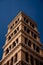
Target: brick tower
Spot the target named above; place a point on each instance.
(22, 46)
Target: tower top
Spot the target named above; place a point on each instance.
(21, 13)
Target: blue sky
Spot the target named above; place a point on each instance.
(10, 8)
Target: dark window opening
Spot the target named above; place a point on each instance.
(16, 22)
(28, 31)
(37, 62)
(35, 36)
(9, 37)
(7, 51)
(25, 28)
(12, 34)
(41, 63)
(34, 46)
(26, 21)
(15, 32)
(11, 27)
(10, 47)
(14, 44)
(32, 26)
(18, 19)
(7, 62)
(24, 18)
(29, 43)
(37, 48)
(17, 40)
(32, 33)
(26, 56)
(15, 57)
(32, 60)
(18, 28)
(13, 24)
(26, 40)
(11, 61)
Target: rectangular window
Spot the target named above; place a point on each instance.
(32, 34)
(13, 24)
(35, 36)
(26, 56)
(12, 34)
(25, 28)
(27, 21)
(10, 47)
(18, 28)
(16, 22)
(17, 40)
(15, 32)
(29, 43)
(7, 51)
(32, 60)
(34, 46)
(15, 58)
(37, 62)
(14, 44)
(11, 61)
(28, 31)
(41, 63)
(9, 38)
(24, 19)
(32, 25)
(7, 63)
(26, 40)
(37, 48)
(18, 19)
(11, 27)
